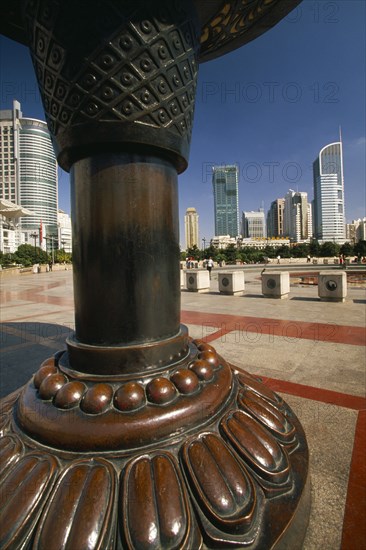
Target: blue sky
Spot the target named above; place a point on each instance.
(268, 107)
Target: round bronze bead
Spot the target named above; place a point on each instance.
(160, 391)
(185, 381)
(202, 369)
(97, 399)
(69, 395)
(202, 346)
(211, 357)
(51, 385)
(129, 397)
(42, 374)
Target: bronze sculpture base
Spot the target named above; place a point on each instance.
(138, 437)
(196, 454)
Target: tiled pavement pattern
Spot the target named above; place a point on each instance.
(311, 352)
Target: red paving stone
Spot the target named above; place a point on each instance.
(316, 394)
(354, 522)
(323, 332)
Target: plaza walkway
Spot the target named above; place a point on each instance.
(311, 352)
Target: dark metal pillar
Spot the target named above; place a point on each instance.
(126, 262)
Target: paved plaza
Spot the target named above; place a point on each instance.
(311, 352)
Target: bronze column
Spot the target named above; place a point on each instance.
(137, 436)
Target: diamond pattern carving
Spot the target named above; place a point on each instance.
(130, 65)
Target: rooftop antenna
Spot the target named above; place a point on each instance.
(340, 134)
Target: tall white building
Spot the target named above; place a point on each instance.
(191, 228)
(329, 211)
(356, 231)
(297, 216)
(64, 231)
(253, 224)
(28, 172)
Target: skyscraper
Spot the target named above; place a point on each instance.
(275, 218)
(225, 181)
(253, 224)
(329, 212)
(191, 228)
(297, 216)
(28, 170)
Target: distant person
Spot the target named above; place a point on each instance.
(278, 259)
(308, 260)
(210, 265)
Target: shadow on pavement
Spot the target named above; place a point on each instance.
(24, 346)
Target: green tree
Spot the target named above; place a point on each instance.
(283, 251)
(220, 257)
(194, 253)
(301, 250)
(314, 248)
(211, 252)
(61, 256)
(360, 248)
(232, 254)
(347, 249)
(6, 259)
(269, 251)
(329, 249)
(28, 255)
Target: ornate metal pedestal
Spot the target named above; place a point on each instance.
(137, 436)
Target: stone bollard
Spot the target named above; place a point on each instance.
(198, 281)
(182, 278)
(276, 284)
(231, 282)
(332, 286)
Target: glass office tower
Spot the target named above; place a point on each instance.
(225, 180)
(28, 169)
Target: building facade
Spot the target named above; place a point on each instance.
(275, 218)
(28, 172)
(254, 224)
(356, 230)
(225, 182)
(329, 208)
(297, 216)
(191, 228)
(64, 231)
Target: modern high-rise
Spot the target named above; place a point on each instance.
(297, 216)
(329, 211)
(254, 225)
(225, 181)
(28, 171)
(191, 228)
(275, 218)
(64, 231)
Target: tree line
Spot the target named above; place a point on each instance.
(27, 255)
(246, 254)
